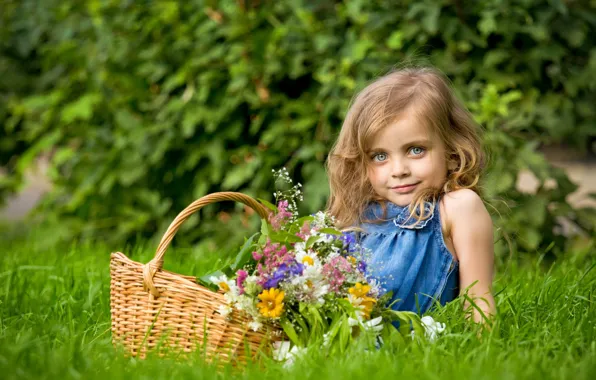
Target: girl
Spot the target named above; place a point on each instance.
(404, 173)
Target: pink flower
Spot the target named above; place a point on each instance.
(241, 276)
(335, 272)
(282, 216)
(304, 230)
(274, 255)
(257, 255)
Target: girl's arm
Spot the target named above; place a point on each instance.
(472, 237)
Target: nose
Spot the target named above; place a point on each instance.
(399, 168)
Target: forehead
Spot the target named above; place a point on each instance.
(401, 131)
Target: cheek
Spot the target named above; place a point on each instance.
(432, 166)
(374, 175)
(438, 168)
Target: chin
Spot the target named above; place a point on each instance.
(400, 201)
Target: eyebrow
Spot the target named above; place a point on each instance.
(423, 142)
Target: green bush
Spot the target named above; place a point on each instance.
(147, 106)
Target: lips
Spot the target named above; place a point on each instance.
(405, 188)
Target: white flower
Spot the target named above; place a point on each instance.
(431, 327)
(223, 282)
(333, 254)
(311, 286)
(326, 238)
(244, 303)
(307, 258)
(224, 310)
(281, 350)
(323, 220)
(300, 246)
(326, 341)
(374, 325)
(255, 325)
(319, 292)
(356, 301)
(375, 287)
(313, 272)
(283, 353)
(232, 294)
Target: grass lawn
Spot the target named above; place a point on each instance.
(55, 323)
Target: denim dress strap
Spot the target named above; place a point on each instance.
(409, 257)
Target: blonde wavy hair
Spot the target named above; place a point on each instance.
(429, 93)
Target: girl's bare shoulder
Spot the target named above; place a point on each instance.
(463, 200)
(463, 211)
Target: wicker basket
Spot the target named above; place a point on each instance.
(154, 308)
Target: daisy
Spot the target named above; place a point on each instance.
(224, 283)
(307, 258)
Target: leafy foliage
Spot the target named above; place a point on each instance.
(149, 106)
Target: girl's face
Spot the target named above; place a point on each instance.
(405, 157)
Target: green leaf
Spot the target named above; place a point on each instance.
(345, 334)
(285, 237)
(237, 176)
(80, 109)
(330, 231)
(245, 253)
(267, 204)
(206, 282)
(395, 40)
(487, 23)
(303, 219)
(265, 229)
(290, 331)
(127, 120)
(311, 240)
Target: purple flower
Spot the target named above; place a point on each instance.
(273, 281)
(283, 271)
(293, 268)
(348, 240)
(361, 266)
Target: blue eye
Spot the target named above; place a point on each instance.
(379, 157)
(416, 151)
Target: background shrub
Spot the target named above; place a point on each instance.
(147, 106)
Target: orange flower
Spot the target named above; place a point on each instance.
(367, 304)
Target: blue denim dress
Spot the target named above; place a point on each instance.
(410, 259)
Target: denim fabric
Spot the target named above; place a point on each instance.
(410, 259)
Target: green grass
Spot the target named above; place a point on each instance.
(55, 323)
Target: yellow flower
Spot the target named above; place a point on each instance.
(367, 304)
(359, 290)
(352, 260)
(271, 304)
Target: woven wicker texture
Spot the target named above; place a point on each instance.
(154, 308)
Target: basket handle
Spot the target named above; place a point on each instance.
(156, 263)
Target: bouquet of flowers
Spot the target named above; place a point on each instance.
(304, 275)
